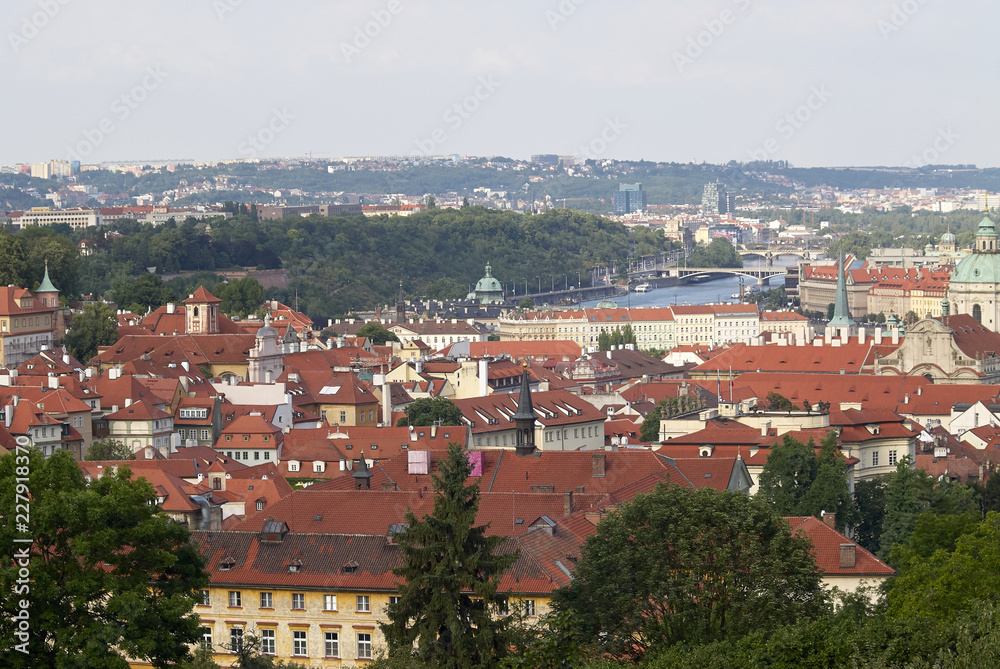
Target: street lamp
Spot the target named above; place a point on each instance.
(539, 284)
(525, 285)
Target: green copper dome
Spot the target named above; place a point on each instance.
(986, 227)
(46, 285)
(948, 238)
(977, 268)
(488, 284)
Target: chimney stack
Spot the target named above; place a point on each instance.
(567, 502)
(598, 465)
(848, 556)
(829, 519)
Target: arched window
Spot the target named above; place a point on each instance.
(196, 312)
(977, 313)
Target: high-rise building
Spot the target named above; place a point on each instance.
(714, 201)
(629, 199)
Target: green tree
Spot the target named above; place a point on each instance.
(111, 576)
(650, 430)
(907, 495)
(720, 252)
(13, 264)
(449, 598)
(96, 326)
(429, 410)
(377, 333)
(869, 497)
(446, 288)
(603, 341)
(829, 490)
(144, 293)
(526, 303)
(946, 583)
(678, 565)
(109, 449)
(241, 297)
(777, 402)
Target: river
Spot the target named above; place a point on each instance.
(709, 292)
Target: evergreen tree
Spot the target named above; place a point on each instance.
(906, 496)
(430, 410)
(377, 333)
(650, 430)
(869, 496)
(96, 326)
(449, 602)
(788, 474)
(604, 341)
(829, 490)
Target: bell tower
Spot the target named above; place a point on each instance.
(201, 313)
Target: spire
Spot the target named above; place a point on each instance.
(841, 314)
(363, 476)
(524, 419)
(46, 285)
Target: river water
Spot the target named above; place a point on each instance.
(710, 292)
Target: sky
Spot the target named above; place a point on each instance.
(818, 83)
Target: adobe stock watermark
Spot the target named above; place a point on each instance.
(371, 30)
(223, 7)
(790, 123)
(457, 114)
(899, 16)
(702, 41)
(562, 12)
(944, 140)
(598, 146)
(277, 124)
(121, 108)
(33, 24)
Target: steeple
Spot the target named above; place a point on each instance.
(841, 314)
(46, 292)
(400, 305)
(363, 476)
(986, 236)
(524, 419)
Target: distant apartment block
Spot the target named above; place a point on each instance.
(630, 199)
(44, 216)
(272, 212)
(545, 159)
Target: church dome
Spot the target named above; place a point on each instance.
(606, 304)
(488, 284)
(267, 331)
(948, 238)
(977, 268)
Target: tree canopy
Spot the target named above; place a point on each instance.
(109, 449)
(720, 252)
(110, 575)
(430, 410)
(677, 565)
(449, 606)
(377, 333)
(96, 326)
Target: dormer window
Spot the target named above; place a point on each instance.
(294, 567)
(226, 564)
(349, 568)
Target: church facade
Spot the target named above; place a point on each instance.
(974, 288)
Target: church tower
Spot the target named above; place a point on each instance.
(524, 419)
(841, 324)
(201, 313)
(267, 359)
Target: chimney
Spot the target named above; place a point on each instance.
(895, 336)
(171, 307)
(53, 382)
(765, 427)
(829, 519)
(861, 335)
(128, 401)
(65, 358)
(186, 365)
(484, 377)
(878, 336)
(567, 502)
(434, 431)
(598, 465)
(848, 556)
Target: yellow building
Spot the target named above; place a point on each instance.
(312, 598)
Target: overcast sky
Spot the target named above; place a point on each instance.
(825, 82)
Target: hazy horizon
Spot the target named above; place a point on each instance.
(849, 84)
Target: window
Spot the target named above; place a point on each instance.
(206, 598)
(892, 458)
(364, 646)
(503, 608)
(204, 434)
(329, 602)
(318, 467)
(298, 600)
(236, 639)
(332, 644)
(394, 600)
(206, 639)
(180, 433)
(246, 437)
(216, 483)
(266, 600)
(298, 642)
(256, 455)
(875, 459)
(364, 604)
(246, 455)
(267, 642)
(235, 598)
(260, 505)
(529, 607)
(293, 466)
(343, 416)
